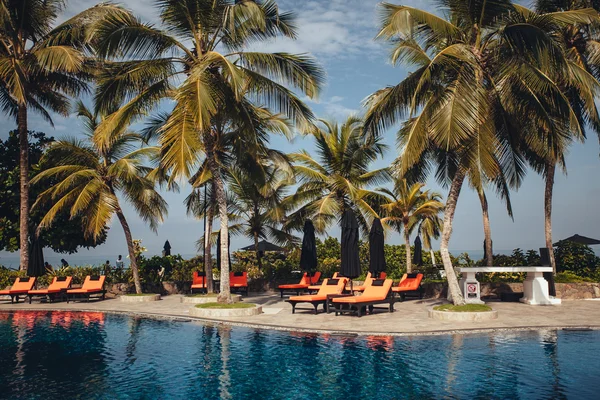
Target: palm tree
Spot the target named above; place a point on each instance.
(430, 228)
(338, 178)
(407, 206)
(39, 67)
(204, 48)
(580, 41)
(260, 205)
(481, 85)
(92, 180)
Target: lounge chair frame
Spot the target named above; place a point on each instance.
(356, 308)
(87, 296)
(51, 297)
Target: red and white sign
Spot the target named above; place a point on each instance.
(471, 288)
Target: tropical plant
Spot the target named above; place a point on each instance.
(205, 47)
(259, 206)
(39, 67)
(338, 177)
(483, 83)
(406, 207)
(579, 82)
(90, 177)
(430, 228)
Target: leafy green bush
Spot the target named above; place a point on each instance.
(576, 258)
(569, 277)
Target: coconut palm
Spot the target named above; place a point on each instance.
(204, 49)
(581, 42)
(259, 206)
(338, 177)
(482, 83)
(406, 207)
(39, 67)
(430, 228)
(93, 180)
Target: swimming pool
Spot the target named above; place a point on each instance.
(64, 355)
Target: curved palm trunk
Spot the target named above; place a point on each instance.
(24, 187)
(408, 255)
(487, 230)
(432, 254)
(258, 260)
(207, 249)
(132, 256)
(550, 170)
(454, 293)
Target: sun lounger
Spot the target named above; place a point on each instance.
(58, 288)
(318, 285)
(199, 282)
(410, 285)
(93, 285)
(20, 287)
(329, 286)
(305, 282)
(238, 282)
(368, 281)
(379, 292)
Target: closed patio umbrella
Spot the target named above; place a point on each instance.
(376, 249)
(350, 259)
(308, 253)
(418, 253)
(36, 259)
(263, 246)
(167, 249)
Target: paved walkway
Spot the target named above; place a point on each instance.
(410, 317)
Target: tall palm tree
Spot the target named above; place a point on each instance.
(92, 180)
(581, 42)
(481, 85)
(338, 177)
(406, 206)
(39, 67)
(430, 228)
(204, 49)
(259, 204)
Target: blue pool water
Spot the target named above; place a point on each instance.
(65, 355)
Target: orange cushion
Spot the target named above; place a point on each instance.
(20, 287)
(371, 293)
(238, 281)
(293, 286)
(199, 286)
(309, 298)
(75, 291)
(44, 291)
(357, 299)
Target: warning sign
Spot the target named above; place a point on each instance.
(471, 288)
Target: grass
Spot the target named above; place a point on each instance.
(141, 294)
(226, 305)
(465, 308)
(202, 295)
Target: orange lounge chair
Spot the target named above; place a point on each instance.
(318, 286)
(368, 280)
(91, 285)
(58, 287)
(20, 287)
(409, 284)
(305, 282)
(329, 286)
(199, 282)
(379, 292)
(238, 281)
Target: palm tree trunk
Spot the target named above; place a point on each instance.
(24, 186)
(408, 255)
(132, 256)
(258, 260)
(207, 249)
(550, 170)
(454, 293)
(432, 253)
(487, 230)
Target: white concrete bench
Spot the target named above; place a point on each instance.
(535, 287)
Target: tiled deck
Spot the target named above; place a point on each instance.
(410, 317)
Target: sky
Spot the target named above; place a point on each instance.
(340, 34)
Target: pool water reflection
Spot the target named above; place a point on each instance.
(54, 355)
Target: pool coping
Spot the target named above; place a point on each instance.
(339, 332)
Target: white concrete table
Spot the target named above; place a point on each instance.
(535, 287)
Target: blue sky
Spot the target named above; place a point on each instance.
(340, 34)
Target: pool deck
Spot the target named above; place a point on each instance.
(410, 317)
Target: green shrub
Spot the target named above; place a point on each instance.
(569, 277)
